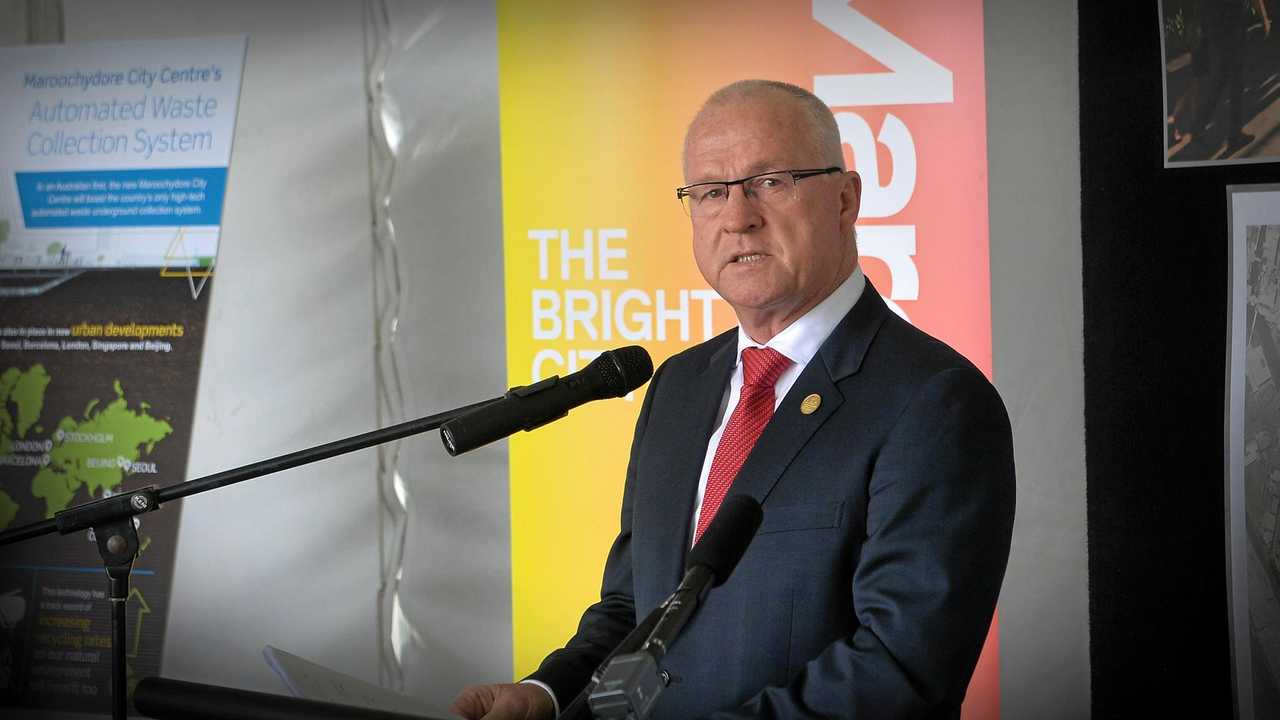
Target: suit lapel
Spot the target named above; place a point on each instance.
(669, 513)
(840, 356)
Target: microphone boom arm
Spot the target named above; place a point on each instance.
(150, 498)
(111, 519)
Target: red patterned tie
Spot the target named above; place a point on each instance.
(761, 368)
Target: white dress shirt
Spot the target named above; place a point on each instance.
(799, 342)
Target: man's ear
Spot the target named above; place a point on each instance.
(850, 197)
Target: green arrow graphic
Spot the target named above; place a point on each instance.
(143, 609)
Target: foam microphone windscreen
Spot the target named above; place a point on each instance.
(727, 537)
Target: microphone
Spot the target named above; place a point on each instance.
(632, 682)
(578, 708)
(614, 374)
(710, 563)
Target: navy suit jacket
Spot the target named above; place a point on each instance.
(870, 586)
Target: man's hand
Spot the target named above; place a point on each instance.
(507, 701)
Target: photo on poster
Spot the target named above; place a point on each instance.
(1221, 74)
(1253, 449)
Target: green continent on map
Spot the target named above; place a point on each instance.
(94, 452)
(25, 390)
(56, 489)
(8, 509)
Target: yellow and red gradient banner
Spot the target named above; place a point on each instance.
(594, 101)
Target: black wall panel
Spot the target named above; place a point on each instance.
(1155, 311)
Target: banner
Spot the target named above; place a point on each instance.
(113, 164)
(594, 104)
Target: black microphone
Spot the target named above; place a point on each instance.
(710, 563)
(578, 708)
(614, 374)
(632, 682)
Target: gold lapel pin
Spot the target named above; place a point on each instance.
(810, 404)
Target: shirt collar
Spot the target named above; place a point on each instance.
(800, 340)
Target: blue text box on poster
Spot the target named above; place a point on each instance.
(98, 198)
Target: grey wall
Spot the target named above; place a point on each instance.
(1034, 160)
(30, 22)
(290, 559)
(13, 22)
(447, 208)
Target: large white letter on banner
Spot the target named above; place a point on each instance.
(896, 246)
(881, 200)
(914, 78)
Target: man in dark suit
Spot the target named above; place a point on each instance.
(882, 459)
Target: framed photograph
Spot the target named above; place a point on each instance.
(1221, 72)
(1253, 449)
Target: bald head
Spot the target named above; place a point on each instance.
(807, 120)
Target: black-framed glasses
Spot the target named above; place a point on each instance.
(706, 199)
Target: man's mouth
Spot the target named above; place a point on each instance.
(748, 258)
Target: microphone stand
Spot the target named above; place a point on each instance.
(111, 520)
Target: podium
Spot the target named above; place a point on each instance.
(180, 700)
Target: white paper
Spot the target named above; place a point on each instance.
(310, 681)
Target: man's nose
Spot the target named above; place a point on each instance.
(740, 213)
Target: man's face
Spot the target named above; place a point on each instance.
(771, 262)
